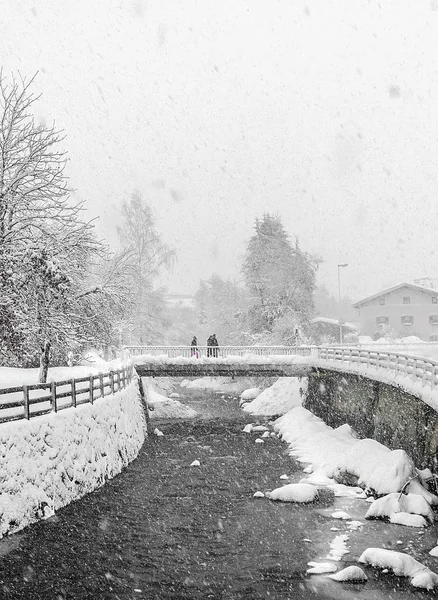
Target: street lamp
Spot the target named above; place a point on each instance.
(339, 295)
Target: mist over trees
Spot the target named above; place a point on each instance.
(61, 289)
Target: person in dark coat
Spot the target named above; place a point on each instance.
(194, 345)
(209, 346)
(215, 344)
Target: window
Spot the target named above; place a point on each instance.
(433, 338)
(406, 300)
(383, 320)
(408, 320)
(434, 299)
(433, 319)
(382, 301)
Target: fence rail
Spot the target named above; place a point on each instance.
(417, 368)
(216, 352)
(27, 401)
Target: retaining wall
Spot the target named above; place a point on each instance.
(49, 461)
(376, 410)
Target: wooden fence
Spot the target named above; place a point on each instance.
(27, 401)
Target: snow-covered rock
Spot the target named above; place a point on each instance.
(295, 492)
(318, 568)
(352, 573)
(250, 394)
(258, 495)
(384, 507)
(283, 395)
(401, 565)
(157, 432)
(341, 514)
(402, 518)
(166, 408)
(247, 428)
(195, 463)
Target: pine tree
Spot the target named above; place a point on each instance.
(279, 277)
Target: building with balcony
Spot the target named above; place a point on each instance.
(405, 309)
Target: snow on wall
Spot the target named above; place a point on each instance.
(49, 461)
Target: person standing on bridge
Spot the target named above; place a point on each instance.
(194, 345)
(215, 343)
(209, 346)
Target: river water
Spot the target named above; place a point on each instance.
(163, 529)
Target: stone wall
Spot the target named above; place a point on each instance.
(49, 461)
(376, 410)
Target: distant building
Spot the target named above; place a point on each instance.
(406, 309)
(325, 330)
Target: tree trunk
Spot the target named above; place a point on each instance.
(44, 362)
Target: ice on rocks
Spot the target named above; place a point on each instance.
(318, 568)
(295, 492)
(341, 514)
(352, 573)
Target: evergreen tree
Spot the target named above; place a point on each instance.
(279, 277)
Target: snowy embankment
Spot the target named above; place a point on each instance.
(351, 467)
(49, 461)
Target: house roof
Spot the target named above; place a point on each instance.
(413, 286)
(331, 321)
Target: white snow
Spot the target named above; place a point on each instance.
(318, 568)
(47, 462)
(295, 492)
(250, 394)
(408, 520)
(338, 547)
(334, 451)
(351, 573)
(283, 395)
(393, 503)
(258, 495)
(401, 565)
(165, 408)
(195, 463)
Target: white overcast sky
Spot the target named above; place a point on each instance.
(323, 111)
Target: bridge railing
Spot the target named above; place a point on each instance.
(416, 368)
(27, 401)
(216, 352)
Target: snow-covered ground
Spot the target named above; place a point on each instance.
(333, 457)
(49, 461)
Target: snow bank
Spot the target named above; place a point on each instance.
(280, 397)
(250, 394)
(49, 461)
(338, 454)
(224, 385)
(166, 408)
(401, 565)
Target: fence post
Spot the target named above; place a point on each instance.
(73, 393)
(26, 402)
(53, 395)
(112, 381)
(91, 389)
(102, 389)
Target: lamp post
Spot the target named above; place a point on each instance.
(339, 295)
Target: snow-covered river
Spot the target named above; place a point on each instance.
(165, 529)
